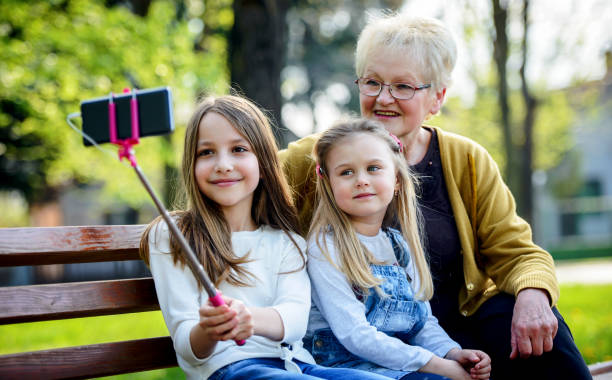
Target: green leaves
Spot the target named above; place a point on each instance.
(53, 55)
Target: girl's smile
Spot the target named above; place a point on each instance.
(364, 196)
(225, 182)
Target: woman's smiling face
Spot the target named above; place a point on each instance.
(400, 117)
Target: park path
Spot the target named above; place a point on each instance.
(603, 376)
(588, 271)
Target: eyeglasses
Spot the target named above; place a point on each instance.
(401, 91)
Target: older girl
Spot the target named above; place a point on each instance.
(240, 222)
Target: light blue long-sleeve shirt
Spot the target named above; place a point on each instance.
(335, 306)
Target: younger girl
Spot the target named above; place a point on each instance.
(370, 287)
(240, 223)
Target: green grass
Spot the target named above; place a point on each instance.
(74, 332)
(587, 309)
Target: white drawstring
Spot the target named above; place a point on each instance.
(287, 356)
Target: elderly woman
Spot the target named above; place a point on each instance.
(495, 290)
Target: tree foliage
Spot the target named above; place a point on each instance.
(54, 54)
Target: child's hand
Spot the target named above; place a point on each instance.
(245, 327)
(446, 367)
(476, 362)
(231, 321)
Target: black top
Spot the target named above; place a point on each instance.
(442, 244)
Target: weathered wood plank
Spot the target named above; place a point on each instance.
(69, 244)
(80, 299)
(90, 361)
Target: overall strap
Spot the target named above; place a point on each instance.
(401, 252)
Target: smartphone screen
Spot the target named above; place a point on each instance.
(154, 115)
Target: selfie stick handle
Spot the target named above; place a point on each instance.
(126, 151)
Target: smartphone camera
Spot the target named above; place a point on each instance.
(154, 115)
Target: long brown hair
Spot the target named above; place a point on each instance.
(203, 223)
(354, 258)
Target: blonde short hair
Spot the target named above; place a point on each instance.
(425, 41)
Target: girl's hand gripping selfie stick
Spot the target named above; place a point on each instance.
(126, 151)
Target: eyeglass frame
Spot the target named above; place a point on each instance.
(383, 84)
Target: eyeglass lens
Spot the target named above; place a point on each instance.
(371, 87)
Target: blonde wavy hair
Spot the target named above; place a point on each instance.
(354, 258)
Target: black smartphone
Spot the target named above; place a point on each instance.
(154, 115)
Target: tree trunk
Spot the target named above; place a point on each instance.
(500, 54)
(526, 187)
(140, 7)
(257, 54)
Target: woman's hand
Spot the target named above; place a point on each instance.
(534, 325)
(476, 362)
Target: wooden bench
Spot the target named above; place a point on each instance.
(64, 245)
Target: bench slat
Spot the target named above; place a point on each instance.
(72, 244)
(90, 361)
(79, 299)
(57, 257)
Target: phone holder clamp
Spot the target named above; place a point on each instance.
(126, 149)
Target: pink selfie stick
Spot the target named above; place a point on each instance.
(126, 151)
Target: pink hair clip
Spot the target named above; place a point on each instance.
(319, 171)
(394, 137)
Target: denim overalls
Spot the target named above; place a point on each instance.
(396, 314)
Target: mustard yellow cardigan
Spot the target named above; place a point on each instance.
(498, 252)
